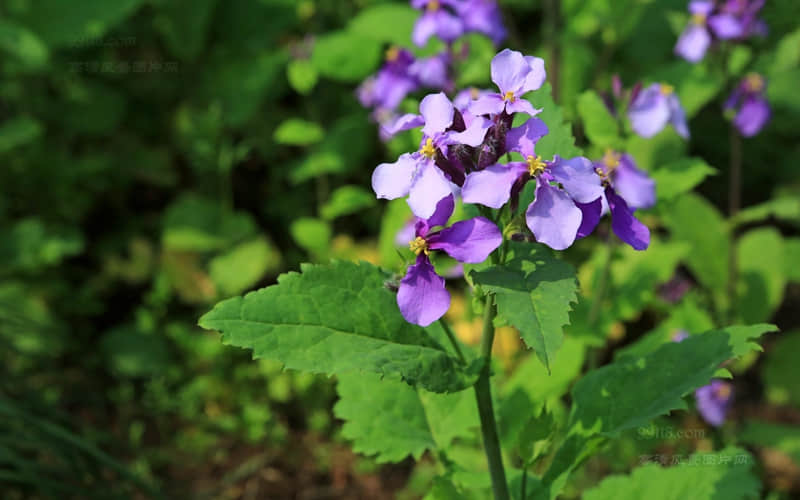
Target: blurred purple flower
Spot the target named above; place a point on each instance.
(483, 16)
(515, 75)
(752, 108)
(713, 401)
(673, 290)
(422, 297)
(440, 18)
(720, 20)
(391, 84)
(627, 188)
(553, 217)
(652, 108)
(432, 72)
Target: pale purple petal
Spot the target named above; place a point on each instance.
(488, 104)
(423, 29)
(431, 71)
(523, 139)
(448, 26)
(393, 180)
(633, 184)
(422, 297)
(591, 217)
(649, 112)
(578, 177)
(693, 43)
(469, 241)
(627, 227)
(522, 106)
(444, 209)
(406, 233)
(553, 217)
(702, 7)
(537, 75)
(437, 110)
(726, 26)
(509, 71)
(405, 122)
(429, 186)
(491, 186)
(474, 134)
(713, 401)
(677, 116)
(752, 116)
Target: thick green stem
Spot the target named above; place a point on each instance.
(483, 393)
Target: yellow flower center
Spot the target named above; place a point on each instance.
(428, 150)
(611, 159)
(418, 245)
(724, 391)
(698, 18)
(754, 82)
(392, 53)
(535, 165)
(509, 96)
(474, 93)
(433, 5)
(667, 89)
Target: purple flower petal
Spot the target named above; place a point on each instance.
(522, 106)
(406, 233)
(474, 134)
(491, 186)
(578, 177)
(702, 7)
(422, 297)
(429, 186)
(489, 104)
(591, 217)
(693, 43)
(523, 139)
(677, 116)
(713, 401)
(726, 26)
(509, 71)
(627, 227)
(752, 116)
(649, 112)
(469, 241)
(432, 71)
(633, 184)
(553, 217)
(393, 180)
(537, 75)
(405, 122)
(437, 110)
(444, 209)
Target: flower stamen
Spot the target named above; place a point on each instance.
(666, 89)
(428, 150)
(392, 54)
(433, 5)
(611, 159)
(754, 82)
(535, 165)
(418, 245)
(699, 18)
(509, 96)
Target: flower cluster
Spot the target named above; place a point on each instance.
(459, 154)
(403, 73)
(714, 20)
(751, 107)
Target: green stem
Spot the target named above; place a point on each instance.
(453, 339)
(524, 481)
(603, 283)
(483, 394)
(734, 202)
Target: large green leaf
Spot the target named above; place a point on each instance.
(559, 140)
(727, 474)
(336, 318)
(347, 200)
(783, 208)
(241, 267)
(393, 420)
(761, 275)
(390, 23)
(346, 56)
(680, 176)
(598, 123)
(533, 292)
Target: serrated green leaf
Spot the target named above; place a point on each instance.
(533, 292)
(600, 127)
(559, 140)
(680, 177)
(240, 268)
(761, 277)
(302, 75)
(314, 235)
(336, 318)
(346, 56)
(390, 23)
(347, 200)
(713, 475)
(298, 132)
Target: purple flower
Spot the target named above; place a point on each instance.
(673, 290)
(422, 297)
(652, 108)
(464, 98)
(626, 189)
(554, 216)
(515, 75)
(483, 16)
(417, 174)
(392, 83)
(714, 401)
(440, 18)
(721, 20)
(753, 110)
(432, 72)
